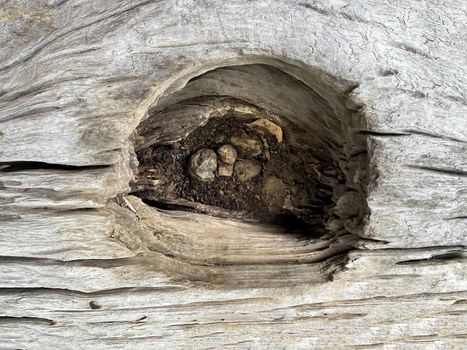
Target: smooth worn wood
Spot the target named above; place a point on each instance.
(378, 87)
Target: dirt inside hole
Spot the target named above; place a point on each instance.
(291, 188)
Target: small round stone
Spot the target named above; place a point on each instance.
(225, 169)
(203, 165)
(227, 154)
(247, 169)
(248, 145)
(269, 126)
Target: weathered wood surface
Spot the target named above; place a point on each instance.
(76, 78)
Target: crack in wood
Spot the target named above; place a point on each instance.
(26, 320)
(460, 217)
(444, 171)
(378, 133)
(456, 255)
(433, 135)
(412, 50)
(26, 165)
(43, 291)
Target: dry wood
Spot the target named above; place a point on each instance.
(84, 265)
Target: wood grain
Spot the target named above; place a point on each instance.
(81, 267)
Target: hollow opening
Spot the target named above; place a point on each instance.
(266, 144)
(252, 171)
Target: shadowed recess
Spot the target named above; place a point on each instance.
(306, 201)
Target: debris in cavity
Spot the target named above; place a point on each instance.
(247, 169)
(266, 125)
(225, 169)
(248, 145)
(266, 180)
(275, 191)
(227, 154)
(203, 165)
(219, 138)
(267, 154)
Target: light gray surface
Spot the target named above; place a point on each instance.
(76, 78)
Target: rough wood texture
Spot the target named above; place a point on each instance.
(83, 265)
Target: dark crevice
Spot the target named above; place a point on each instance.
(48, 210)
(344, 15)
(353, 18)
(101, 263)
(359, 153)
(26, 319)
(372, 240)
(315, 9)
(352, 87)
(26, 165)
(462, 217)
(412, 50)
(444, 171)
(457, 255)
(414, 93)
(429, 134)
(380, 133)
(76, 210)
(450, 256)
(72, 292)
(388, 72)
(429, 248)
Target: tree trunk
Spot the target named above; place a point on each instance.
(380, 87)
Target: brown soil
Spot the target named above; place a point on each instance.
(286, 188)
